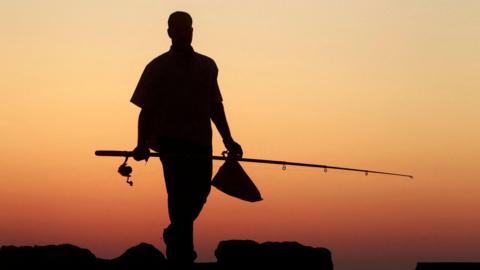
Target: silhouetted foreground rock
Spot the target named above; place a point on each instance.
(46, 257)
(448, 266)
(233, 254)
(142, 256)
(247, 254)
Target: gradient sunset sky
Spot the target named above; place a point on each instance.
(386, 85)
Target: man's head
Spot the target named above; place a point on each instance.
(180, 28)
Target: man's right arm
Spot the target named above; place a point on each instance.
(142, 97)
(142, 151)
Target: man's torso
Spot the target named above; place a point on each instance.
(180, 89)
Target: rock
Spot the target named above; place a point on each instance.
(233, 254)
(448, 266)
(233, 251)
(64, 256)
(245, 254)
(142, 256)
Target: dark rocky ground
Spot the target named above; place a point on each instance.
(448, 266)
(232, 254)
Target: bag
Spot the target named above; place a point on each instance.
(234, 181)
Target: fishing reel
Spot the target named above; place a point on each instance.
(126, 171)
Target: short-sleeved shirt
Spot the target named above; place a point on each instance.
(180, 89)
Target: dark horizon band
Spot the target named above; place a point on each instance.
(117, 153)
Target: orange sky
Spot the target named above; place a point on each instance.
(387, 85)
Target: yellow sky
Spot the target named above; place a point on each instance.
(387, 85)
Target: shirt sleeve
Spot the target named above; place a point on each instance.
(216, 96)
(143, 94)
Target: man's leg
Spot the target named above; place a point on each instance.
(188, 185)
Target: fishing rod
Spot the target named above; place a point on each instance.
(126, 170)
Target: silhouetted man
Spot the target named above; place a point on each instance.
(178, 94)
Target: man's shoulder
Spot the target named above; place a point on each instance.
(166, 58)
(205, 59)
(159, 60)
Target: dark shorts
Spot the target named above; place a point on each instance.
(187, 170)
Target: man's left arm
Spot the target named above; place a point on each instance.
(218, 115)
(220, 120)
